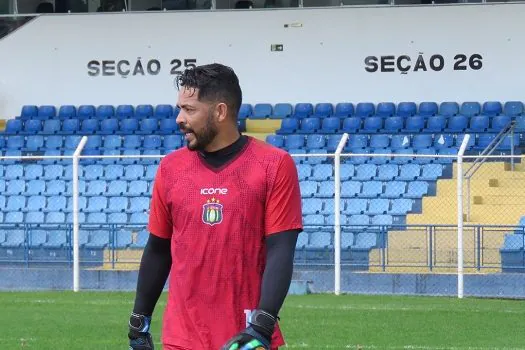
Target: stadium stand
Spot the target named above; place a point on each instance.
(379, 194)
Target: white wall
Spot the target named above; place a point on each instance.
(45, 62)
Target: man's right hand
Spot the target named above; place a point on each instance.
(139, 336)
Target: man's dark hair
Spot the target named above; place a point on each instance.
(215, 83)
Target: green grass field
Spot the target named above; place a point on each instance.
(98, 320)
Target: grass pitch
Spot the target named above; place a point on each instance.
(98, 320)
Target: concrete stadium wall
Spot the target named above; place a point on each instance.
(415, 53)
(495, 285)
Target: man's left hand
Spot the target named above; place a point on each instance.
(257, 336)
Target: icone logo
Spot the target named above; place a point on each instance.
(214, 190)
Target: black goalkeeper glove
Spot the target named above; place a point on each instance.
(258, 335)
(139, 336)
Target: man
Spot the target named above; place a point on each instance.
(224, 219)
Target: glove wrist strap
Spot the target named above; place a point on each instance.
(263, 322)
(139, 323)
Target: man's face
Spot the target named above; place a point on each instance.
(196, 120)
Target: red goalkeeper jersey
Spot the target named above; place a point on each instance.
(217, 220)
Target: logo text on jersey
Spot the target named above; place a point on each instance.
(214, 190)
(212, 212)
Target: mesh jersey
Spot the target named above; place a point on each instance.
(217, 219)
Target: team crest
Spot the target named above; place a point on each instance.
(212, 212)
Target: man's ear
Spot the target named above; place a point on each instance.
(221, 112)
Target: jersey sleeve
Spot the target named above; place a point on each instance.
(160, 223)
(283, 206)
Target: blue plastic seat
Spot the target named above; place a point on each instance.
(29, 111)
(394, 189)
(288, 126)
(86, 112)
(471, 141)
(295, 141)
(139, 204)
(330, 125)
(53, 142)
(15, 203)
(315, 141)
(417, 189)
(479, 123)
(138, 188)
(246, 111)
(35, 218)
(406, 109)
(415, 124)
(55, 203)
(168, 126)
(387, 172)
(125, 111)
(34, 143)
(351, 124)
(323, 110)
(364, 109)
(129, 126)
(53, 172)
(15, 142)
(344, 110)
(14, 217)
(443, 141)
(112, 142)
(99, 238)
(163, 111)
(385, 109)
(133, 172)
(373, 124)
(262, 111)
(365, 172)
(470, 109)
(378, 206)
(282, 111)
(350, 188)
(93, 172)
(304, 171)
(144, 111)
(400, 141)
(409, 172)
(32, 126)
(152, 142)
(34, 172)
(96, 204)
(55, 187)
(449, 108)
(15, 187)
(303, 110)
(431, 172)
(35, 187)
(96, 188)
(458, 123)
(321, 172)
(46, 112)
(359, 222)
(425, 153)
(355, 206)
(310, 125)
(379, 141)
(326, 189)
(275, 140)
(105, 112)
(492, 108)
(94, 142)
(89, 126)
(499, 122)
(70, 126)
(436, 123)
(72, 142)
(311, 206)
(117, 188)
(109, 126)
(117, 205)
(427, 109)
(513, 108)
(382, 220)
(14, 172)
(357, 141)
(509, 141)
(113, 172)
(393, 124)
(400, 206)
(148, 126)
(51, 126)
(422, 141)
(308, 188)
(403, 155)
(371, 189)
(14, 126)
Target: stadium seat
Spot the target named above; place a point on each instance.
(310, 125)
(330, 125)
(15, 203)
(415, 124)
(373, 124)
(394, 189)
(295, 141)
(312, 206)
(288, 126)
(457, 123)
(431, 172)
(428, 109)
(371, 189)
(262, 111)
(125, 112)
(323, 110)
(449, 108)
(479, 123)
(344, 110)
(422, 141)
(303, 110)
(35, 187)
(282, 111)
(364, 109)
(14, 172)
(32, 126)
(499, 122)
(513, 108)
(148, 126)
(56, 204)
(406, 109)
(14, 217)
(51, 126)
(355, 206)
(55, 188)
(164, 111)
(436, 123)
(379, 141)
(492, 108)
(29, 111)
(109, 126)
(57, 239)
(393, 124)
(357, 141)
(14, 126)
(14, 238)
(400, 141)
(34, 218)
(351, 124)
(443, 141)
(15, 187)
(416, 189)
(385, 109)
(365, 172)
(315, 141)
(400, 206)
(86, 112)
(152, 142)
(245, 111)
(117, 205)
(350, 188)
(470, 109)
(139, 218)
(168, 126)
(144, 111)
(94, 142)
(378, 206)
(47, 112)
(387, 172)
(409, 172)
(15, 142)
(105, 112)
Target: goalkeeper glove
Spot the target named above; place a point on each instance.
(139, 336)
(257, 336)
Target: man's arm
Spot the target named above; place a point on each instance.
(153, 273)
(280, 251)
